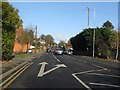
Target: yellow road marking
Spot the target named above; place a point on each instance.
(16, 77)
(13, 75)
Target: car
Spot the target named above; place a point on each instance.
(30, 50)
(69, 51)
(58, 51)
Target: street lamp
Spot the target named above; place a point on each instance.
(94, 36)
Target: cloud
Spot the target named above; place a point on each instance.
(60, 37)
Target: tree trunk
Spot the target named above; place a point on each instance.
(27, 47)
(117, 47)
(22, 48)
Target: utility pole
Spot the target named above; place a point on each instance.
(88, 25)
(94, 36)
(88, 17)
(36, 38)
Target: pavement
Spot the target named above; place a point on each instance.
(96, 58)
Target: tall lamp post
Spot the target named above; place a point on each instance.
(94, 36)
(36, 39)
(88, 17)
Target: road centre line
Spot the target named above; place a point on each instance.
(102, 84)
(86, 86)
(104, 75)
(56, 58)
(16, 76)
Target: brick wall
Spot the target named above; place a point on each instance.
(17, 46)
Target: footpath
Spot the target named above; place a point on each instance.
(8, 67)
(96, 58)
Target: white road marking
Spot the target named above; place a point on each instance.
(41, 72)
(85, 72)
(99, 67)
(89, 71)
(57, 66)
(102, 84)
(56, 58)
(104, 75)
(86, 86)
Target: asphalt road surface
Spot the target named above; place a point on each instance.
(69, 71)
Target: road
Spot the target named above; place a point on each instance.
(69, 71)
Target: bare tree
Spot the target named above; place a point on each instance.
(21, 37)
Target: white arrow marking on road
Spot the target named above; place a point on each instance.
(41, 73)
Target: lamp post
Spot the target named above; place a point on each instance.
(94, 36)
(88, 17)
(35, 38)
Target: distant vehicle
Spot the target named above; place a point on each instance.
(69, 51)
(30, 50)
(58, 51)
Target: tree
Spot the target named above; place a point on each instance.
(42, 37)
(118, 45)
(49, 40)
(61, 43)
(21, 37)
(30, 33)
(108, 25)
(29, 36)
(24, 36)
(0, 29)
(10, 21)
(105, 40)
(79, 42)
